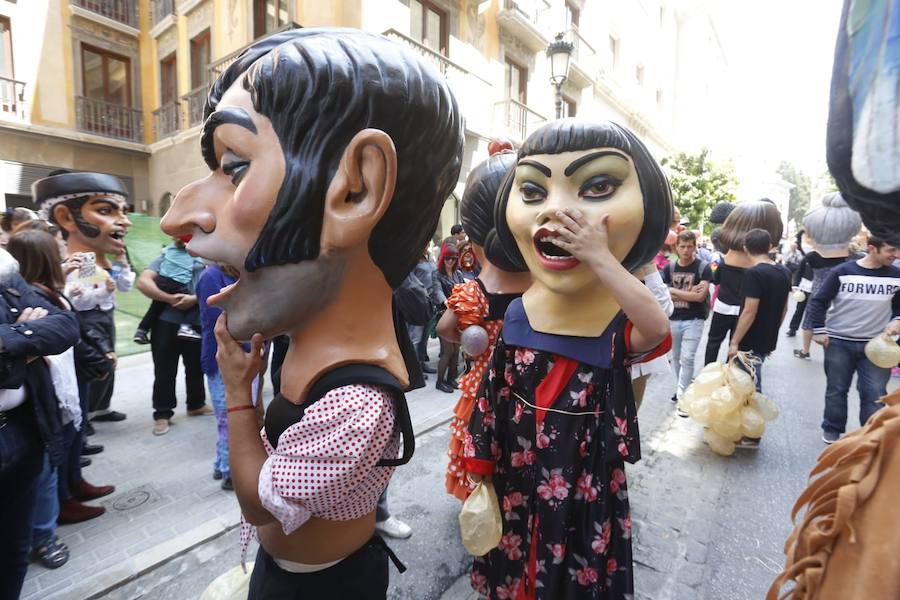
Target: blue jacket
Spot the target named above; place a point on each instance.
(53, 334)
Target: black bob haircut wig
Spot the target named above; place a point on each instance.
(569, 135)
(476, 209)
(319, 88)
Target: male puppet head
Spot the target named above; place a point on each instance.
(89, 209)
(317, 139)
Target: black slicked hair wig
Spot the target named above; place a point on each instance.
(476, 209)
(319, 88)
(720, 212)
(569, 135)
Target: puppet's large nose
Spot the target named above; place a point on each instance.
(191, 209)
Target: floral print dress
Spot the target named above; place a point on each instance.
(554, 425)
(473, 305)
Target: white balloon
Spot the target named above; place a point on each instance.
(474, 340)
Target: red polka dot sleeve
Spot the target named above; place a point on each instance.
(324, 465)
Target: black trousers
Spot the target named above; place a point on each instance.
(720, 327)
(361, 576)
(798, 316)
(166, 347)
(100, 392)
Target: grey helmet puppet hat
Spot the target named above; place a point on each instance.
(832, 225)
(62, 186)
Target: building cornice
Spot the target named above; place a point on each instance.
(29, 129)
(111, 23)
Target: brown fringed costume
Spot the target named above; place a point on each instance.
(847, 546)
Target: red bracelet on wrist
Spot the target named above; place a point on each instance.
(232, 409)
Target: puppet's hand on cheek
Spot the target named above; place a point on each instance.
(238, 368)
(586, 242)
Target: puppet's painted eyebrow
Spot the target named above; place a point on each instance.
(530, 163)
(580, 162)
(109, 201)
(231, 115)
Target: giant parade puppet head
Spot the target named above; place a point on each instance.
(476, 209)
(863, 144)
(90, 210)
(331, 153)
(832, 225)
(752, 214)
(601, 169)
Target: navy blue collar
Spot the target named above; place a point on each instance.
(594, 351)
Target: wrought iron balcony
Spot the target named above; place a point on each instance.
(162, 9)
(12, 97)
(110, 120)
(584, 67)
(166, 119)
(519, 119)
(194, 101)
(123, 11)
(444, 65)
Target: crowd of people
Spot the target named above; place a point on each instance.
(552, 299)
(740, 275)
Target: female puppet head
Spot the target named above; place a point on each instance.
(599, 168)
(755, 214)
(832, 225)
(476, 210)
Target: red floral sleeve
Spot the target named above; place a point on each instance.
(643, 357)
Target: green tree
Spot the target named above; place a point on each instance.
(698, 183)
(799, 198)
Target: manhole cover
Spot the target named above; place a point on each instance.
(131, 500)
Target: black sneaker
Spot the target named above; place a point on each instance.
(674, 397)
(801, 354)
(830, 437)
(791, 333)
(444, 387)
(186, 332)
(748, 444)
(111, 416)
(217, 474)
(227, 484)
(52, 555)
(140, 337)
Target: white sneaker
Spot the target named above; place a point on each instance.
(394, 527)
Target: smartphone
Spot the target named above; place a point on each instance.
(88, 265)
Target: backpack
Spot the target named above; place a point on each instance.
(412, 301)
(670, 271)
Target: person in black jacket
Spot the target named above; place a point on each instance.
(30, 424)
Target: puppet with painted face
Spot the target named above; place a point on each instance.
(830, 228)
(476, 308)
(90, 210)
(555, 421)
(331, 152)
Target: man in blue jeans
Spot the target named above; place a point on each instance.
(688, 280)
(860, 300)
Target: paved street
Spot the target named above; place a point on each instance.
(706, 527)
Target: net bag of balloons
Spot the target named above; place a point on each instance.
(723, 398)
(883, 351)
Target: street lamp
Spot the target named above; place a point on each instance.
(559, 52)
